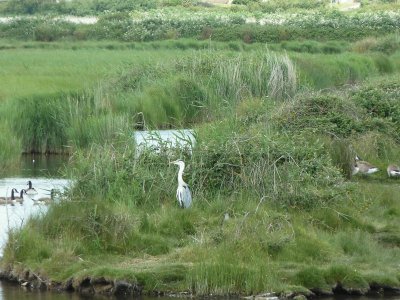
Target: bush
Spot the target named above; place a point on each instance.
(319, 113)
(269, 166)
(382, 100)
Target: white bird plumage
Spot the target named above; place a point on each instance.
(393, 171)
(183, 194)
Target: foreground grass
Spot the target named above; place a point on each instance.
(259, 248)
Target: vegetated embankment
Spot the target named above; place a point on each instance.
(276, 207)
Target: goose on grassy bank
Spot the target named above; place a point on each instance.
(363, 167)
(393, 171)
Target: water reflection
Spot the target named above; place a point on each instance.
(31, 165)
(12, 291)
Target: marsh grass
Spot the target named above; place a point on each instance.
(10, 149)
(189, 89)
(162, 247)
(272, 210)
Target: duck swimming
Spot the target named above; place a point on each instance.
(20, 198)
(31, 190)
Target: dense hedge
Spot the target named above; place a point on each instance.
(170, 24)
(75, 7)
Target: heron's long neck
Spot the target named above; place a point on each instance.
(180, 174)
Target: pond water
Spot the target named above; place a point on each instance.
(158, 139)
(45, 174)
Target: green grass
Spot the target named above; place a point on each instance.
(28, 72)
(273, 153)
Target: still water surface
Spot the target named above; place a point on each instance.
(45, 172)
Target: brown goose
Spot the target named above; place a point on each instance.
(363, 167)
(393, 171)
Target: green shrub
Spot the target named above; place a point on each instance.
(320, 71)
(380, 100)
(225, 159)
(325, 114)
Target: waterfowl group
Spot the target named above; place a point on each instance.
(366, 168)
(26, 194)
(20, 198)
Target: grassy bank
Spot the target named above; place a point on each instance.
(275, 206)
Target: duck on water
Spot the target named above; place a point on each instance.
(30, 190)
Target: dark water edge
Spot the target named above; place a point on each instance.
(38, 165)
(13, 291)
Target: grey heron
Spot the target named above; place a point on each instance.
(30, 190)
(364, 167)
(183, 194)
(393, 171)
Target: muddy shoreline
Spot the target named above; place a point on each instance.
(102, 286)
